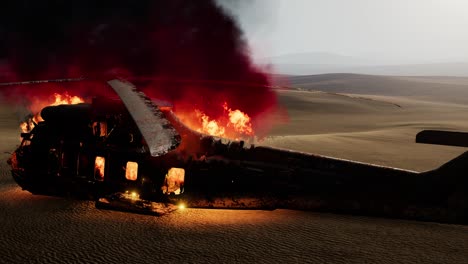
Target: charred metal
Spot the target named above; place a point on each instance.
(131, 155)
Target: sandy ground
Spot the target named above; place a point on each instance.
(378, 129)
(368, 128)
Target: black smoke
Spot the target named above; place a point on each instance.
(177, 38)
(103, 39)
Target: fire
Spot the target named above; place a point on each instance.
(66, 99)
(131, 171)
(233, 124)
(57, 99)
(99, 166)
(239, 120)
(210, 127)
(174, 181)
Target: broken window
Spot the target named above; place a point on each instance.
(131, 171)
(174, 181)
(99, 166)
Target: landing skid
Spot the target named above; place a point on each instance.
(130, 202)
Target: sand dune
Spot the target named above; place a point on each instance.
(446, 89)
(380, 129)
(375, 129)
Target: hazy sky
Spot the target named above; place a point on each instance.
(398, 31)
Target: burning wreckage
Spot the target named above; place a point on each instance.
(132, 155)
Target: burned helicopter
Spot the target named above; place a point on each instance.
(130, 154)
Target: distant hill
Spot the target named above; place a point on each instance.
(438, 69)
(446, 89)
(322, 63)
(317, 58)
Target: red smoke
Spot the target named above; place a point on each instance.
(170, 41)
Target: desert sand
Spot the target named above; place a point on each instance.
(368, 127)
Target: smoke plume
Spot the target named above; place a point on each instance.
(166, 47)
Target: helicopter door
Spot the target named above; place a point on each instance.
(69, 159)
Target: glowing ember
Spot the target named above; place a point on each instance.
(233, 124)
(57, 99)
(134, 196)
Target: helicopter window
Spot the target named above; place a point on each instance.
(174, 181)
(53, 162)
(100, 129)
(99, 166)
(69, 158)
(25, 142)
(131, 171)
(83, 164)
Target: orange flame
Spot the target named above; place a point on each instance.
(210, 127)
(239, 120)
(131, 171)
(36, 107)
(66, 99)
(99, 165)
(233, 124)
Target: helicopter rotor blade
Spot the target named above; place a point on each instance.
(159, 134)
(43, 81)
